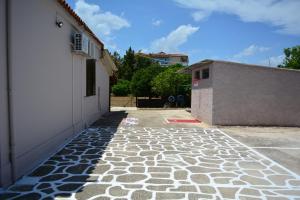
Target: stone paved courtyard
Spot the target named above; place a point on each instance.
(156, 163)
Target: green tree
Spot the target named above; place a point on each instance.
(122, 88)
(141, 80)
(117, 59)
(142, 62)
(170, 82)
(118, 62)
(292, 58)
(128, 65)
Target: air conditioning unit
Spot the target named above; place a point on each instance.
(81, 43)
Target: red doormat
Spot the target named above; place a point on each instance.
(183, 121)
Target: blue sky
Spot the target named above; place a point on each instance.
(249, 31)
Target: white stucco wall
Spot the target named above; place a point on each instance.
(4, 141)
(174, 60)
(42, 81)
(48, 82)
(78, 91)
(97, 105)
(103, 83)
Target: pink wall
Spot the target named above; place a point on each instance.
(251, 95)
(202, 98)
(239, 94)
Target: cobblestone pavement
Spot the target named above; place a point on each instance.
(156, 163)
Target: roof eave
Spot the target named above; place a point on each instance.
(188, 70)
(68, 8)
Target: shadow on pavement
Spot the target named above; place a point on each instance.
(77, 164)
(112, 119)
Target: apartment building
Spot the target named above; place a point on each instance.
(166, 59)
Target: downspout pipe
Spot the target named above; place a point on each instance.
(11, 136)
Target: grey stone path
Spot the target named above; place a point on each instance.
(156, 163)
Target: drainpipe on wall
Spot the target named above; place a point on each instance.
(9, 92)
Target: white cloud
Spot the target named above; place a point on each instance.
(156, 22)
(110, 43)
(173, 40)
(273, 61)
(102, 23)
(251, 50)
(200, 15)
(283, 14)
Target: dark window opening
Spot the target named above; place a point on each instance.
(184, 59)
(197, 75)
(205, 73)
(90, 77)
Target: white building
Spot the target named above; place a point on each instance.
(165, 59)
(54, 81)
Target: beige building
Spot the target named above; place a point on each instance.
(54, 81)
(227, 93)
(165, 59)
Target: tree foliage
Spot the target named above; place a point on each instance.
(128, 65)
(143, 76)
(170, 82)
(143, 62)
(118, 62)
(117, 59)
(141, 80)
(122, 88)
(292, 58)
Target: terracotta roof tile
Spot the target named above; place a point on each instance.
(68, 8)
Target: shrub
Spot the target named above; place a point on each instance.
(122, 88)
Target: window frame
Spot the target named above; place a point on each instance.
(197, 75)
(90, 77)
(205, 73)
(184, 59)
